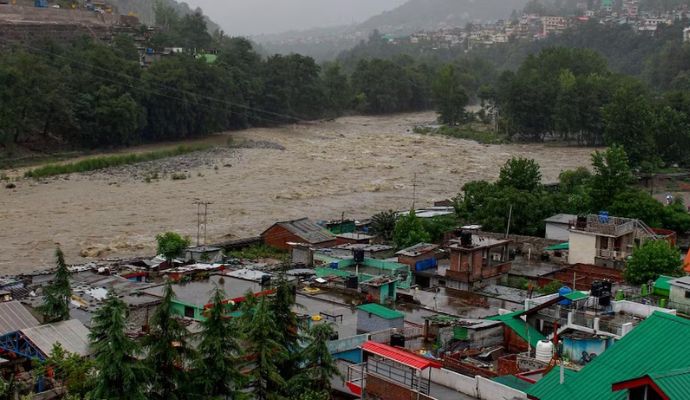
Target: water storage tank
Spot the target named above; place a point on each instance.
(352, 282)
(398, 340)
(564, 290)
(544, 351)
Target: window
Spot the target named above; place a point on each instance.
(687, 294)
(189, 312)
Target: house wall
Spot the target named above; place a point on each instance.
(383, 389)
(558, 232)
(582, 248)
(412, 261)
(477, 387)
(367, 322)
(303, 255)
(677, 300)
(278, 237)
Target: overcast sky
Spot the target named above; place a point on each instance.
(252, 17)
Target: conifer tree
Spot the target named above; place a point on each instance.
(217, 367)
(57, 294)
(167, 351)
(287, 326)
(319, 365)
(120, 375)
(266, 352)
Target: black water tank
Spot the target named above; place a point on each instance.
(352, 282)
(466, 238)
(596, 288)
(358, 255)
(265, 279)
(605, 301)
(398, 340)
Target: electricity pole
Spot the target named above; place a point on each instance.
(201, 219)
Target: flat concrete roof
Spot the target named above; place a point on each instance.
(198, 293)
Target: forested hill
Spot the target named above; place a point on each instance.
(144, 9)
(429, 14)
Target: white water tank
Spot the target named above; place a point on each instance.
(544, 351)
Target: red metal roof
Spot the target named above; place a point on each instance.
(400, 356)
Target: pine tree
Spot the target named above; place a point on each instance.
(266, 352)
(287, 326)
(217, 368)
(58, 293)
(167, 351)
(120, 375)
(318, 364)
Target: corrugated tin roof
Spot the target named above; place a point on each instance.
(561, 218)
(71, 334)
(400, 356)
(520, 327)
(662, 282)
(309, 231)
(654, 345)
(675, 384)
(14, 316)
(560, 246)
(513, 381)
(381, 311)
(576, 295)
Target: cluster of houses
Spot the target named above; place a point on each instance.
(432, 321)
(537, 27)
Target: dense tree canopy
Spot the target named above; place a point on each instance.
(653, 258)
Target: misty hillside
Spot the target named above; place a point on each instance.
(144, 10)
(430, 14)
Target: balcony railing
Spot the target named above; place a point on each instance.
(613, 254)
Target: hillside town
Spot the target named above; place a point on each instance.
(390, 228)
(475, 315)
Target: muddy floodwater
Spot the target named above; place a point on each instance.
(353, 165)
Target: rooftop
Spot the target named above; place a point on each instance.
(561, 218)
(197, 293)
(355, 236)
(14, 316)
(652, 347)
(526, 331)
(400, 356)
(417, 249)
(309, 231)
(381, 311)
(478, 242)
(675, 384)
(71, 334)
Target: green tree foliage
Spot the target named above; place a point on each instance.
(383, 224)
(450, 96)
(318, 365)
(291, 85)
(120, 375)
(521, 174)
(266, 352)
(409, 230)
(612, 176)
(217, 367)
(71, 370)
(58, 293)
(166, 351)
(653, 258)
(336, 88)
(287, 327)
(171, 245)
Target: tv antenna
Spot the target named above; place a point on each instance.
(414, 190)
(201, 218)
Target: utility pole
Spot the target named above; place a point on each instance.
(510, 216)
(201, 219)
(414, 190)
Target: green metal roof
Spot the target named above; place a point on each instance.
(576, 295)
(513, 382)
(520, 327)
(561, 246)
(662, 282)
(675, 384)
(381, 311)
(651, 347)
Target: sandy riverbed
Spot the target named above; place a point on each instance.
(356, 165)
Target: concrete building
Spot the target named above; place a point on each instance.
(419, 257)
(558, 227)
(374, 317)
(476, 260)
(679, 294)
(608, 241)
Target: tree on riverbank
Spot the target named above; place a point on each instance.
(57, 295)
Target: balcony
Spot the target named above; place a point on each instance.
(615, 254)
